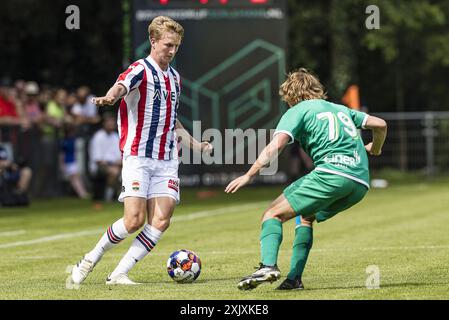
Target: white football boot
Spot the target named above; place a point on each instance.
(81, 270)
(263, 274)
(120, 279)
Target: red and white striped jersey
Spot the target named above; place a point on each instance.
(147, 116)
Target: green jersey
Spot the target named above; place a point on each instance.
(328, 134)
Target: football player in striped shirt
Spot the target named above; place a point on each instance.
(147, 119)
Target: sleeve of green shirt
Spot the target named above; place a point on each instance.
(359, 118)
(290, 124)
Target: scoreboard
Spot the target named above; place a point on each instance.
(202, 3)
(231, 62)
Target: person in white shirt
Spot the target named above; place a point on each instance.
(85, 111)
(105, 158)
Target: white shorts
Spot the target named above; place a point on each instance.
(149, 178)
(70, 169)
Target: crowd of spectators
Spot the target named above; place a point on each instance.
(46, 134)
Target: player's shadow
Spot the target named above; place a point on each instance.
(199, 281)
(382, 286)
(220, 279)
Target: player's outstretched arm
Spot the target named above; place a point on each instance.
(189, 141)
(268, 154)
(116, 92)
(379, 128)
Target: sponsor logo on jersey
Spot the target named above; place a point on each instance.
(343, 160)
(165, 94)
(173, 184)
(157, 95)
(135, 185)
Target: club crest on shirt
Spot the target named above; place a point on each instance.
(173, 184)
(135, 185)
(156, 78)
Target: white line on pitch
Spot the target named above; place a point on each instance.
(192, 216)
(50, 238)
(11, 233)
(216, 212)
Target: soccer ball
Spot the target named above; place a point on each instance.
(184, 266)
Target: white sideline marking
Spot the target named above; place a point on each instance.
(50, 238)
(36, 257)
(191, 216)
(11, 233)
(216, 212)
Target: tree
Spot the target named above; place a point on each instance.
(413, 38)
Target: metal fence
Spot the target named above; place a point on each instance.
(42, 153)
(416, 141)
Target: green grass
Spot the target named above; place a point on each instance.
(402, 229)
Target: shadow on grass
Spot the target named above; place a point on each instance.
(382, 286)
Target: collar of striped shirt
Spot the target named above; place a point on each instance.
(156, 65)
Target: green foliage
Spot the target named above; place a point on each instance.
(409, 24)
(404, 63)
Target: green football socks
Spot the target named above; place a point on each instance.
(270, 240)
(301, 248)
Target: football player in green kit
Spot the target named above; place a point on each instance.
(328, 132)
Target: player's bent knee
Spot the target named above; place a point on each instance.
(134, 223)
(307, 221)
(270, 214)
(161, 224)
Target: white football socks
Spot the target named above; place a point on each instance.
(111, 238)
(145, 241)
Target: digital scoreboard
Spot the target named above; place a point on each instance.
(231, 62)
(209, 3)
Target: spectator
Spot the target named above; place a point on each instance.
(32, 108)
(72, 100)
(52, 134)
(19, 85)
(105, 160)
(12, 121)
(86, 118)
(44, 98)
(70, 165)
(85, 112)
(9, 114)
(14, 181)
(28, 140)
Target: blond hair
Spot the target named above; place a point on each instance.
(162, 24)
(301, 85)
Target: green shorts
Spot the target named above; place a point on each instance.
(323, 194)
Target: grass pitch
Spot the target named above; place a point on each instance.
(403, 230)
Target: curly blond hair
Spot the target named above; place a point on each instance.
(301, 85)
(162, 24)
